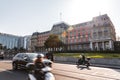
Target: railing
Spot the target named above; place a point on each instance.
(8, 56)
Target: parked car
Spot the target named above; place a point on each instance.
(21, 59)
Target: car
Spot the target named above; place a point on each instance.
(20, 60)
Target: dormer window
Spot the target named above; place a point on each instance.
(104, 18)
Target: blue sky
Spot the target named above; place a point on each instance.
(23, 17)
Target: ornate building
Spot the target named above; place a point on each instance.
(98, 34)
(34, 41)
(11, 41)
(42, 37)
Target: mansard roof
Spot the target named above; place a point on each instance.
(35, 33)
(61, 24)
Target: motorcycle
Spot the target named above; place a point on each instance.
(81, 62)
(46, 73)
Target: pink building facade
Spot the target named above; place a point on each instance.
(98, 34)
(79, 37)
(42, 37)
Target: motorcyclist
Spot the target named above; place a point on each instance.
(83, 59)
(39, 64)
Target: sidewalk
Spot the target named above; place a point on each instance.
(96, 65)
(106, 66)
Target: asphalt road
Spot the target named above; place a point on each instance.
(62, 72)
(6, 72)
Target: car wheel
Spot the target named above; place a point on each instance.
(15, 67)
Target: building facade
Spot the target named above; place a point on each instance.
(38, 39)
(60, 30)
(9, 41)
(98, 34)
(95, 35)
(79, 37)
(42, 37)
(21, 42)
(117, 46)
(27, 42)
(34, 41)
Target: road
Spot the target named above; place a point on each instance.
(62, 72)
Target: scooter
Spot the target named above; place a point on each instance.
(82, 63)
(46, 70)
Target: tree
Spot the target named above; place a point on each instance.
(4, 47)
(53, 42)
(21, 49)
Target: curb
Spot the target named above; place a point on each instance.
(106, 66)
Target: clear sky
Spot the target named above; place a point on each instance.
(23, 17)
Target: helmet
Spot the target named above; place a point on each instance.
(80, 56)
(40, 56)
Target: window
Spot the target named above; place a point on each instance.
(71, 41)
(89, 36)
(74, 40)
(78, 36)
(94, 34)
(105, 33)
(74, 33)
(100, 33)
(94, 25)
(70, 33)
(74, 37)
(83, 31)
(19, 55)
(83, 36)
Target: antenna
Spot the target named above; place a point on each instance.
(60, 16)
(99, 13)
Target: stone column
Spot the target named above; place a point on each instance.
(97, 45)
(91, 45)
(110, 44)
(103, 46)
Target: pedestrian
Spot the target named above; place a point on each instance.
(49, 56)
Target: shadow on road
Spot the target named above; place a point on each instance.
(83, 67)
(13, 75)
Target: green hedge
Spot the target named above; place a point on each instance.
(91, 55)
(84, 51)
